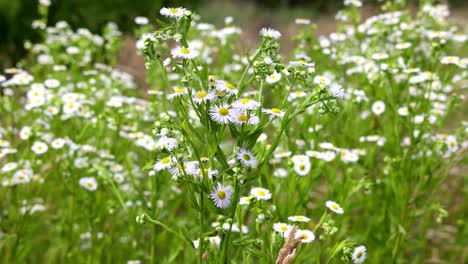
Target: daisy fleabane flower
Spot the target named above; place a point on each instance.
(270, 33)
(221, 114)
(274, 112)
(39, 147)
(323, 80)
(299, 218)
(221, 196)
(184, 52)
(335, 207)
(163, 164)
(246, 104)
(260, 193)
(246, 158)
(273, 78)
(241, 118)
(281, 227)
(174, 12)
(89, 183)
(203, 97)
(245, 200)
(336, 90)
(306, 236)
(378, 107)
(178, 91)
(359, 254)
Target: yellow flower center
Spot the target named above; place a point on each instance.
(242, 118)
(185, 51)
(221, 194)
(201, 95)
(166, 160)
(246, 157)
(335, 206)
(276, 110)
(261, 193)
(89, 184)
(174, 10)
(223, 111)
(245, 101)
(302, 166)
(283, 228)
(230, 86)
(179, 90)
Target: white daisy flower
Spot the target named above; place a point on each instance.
(245, 200)
(299, 218)
(336, 90)
(163, 164)
(167, 143)
(173, 12)
(25, 133)
(380, 56)
(224, 86)
(203, 97)
(178, 91)
(319, 79)
(260, 193)
(378, 107)
(270, 33)
(403, 111)
(273, 78)
(302, 167)
(280, 173)
(452, 144)
(57, 143)
(274, 112)
(402, 46)
(281, 227)
(221, 196)
(9, 166)
(246, 104)
(184, 52)
(359, 254)
(22, 176)
(51, 83)
(39, 147)
(334, 207)
(241, 118)
(141, 20)
(221, 114)
(89, 183)
(246, 158)
(306, 236)
(450, 60)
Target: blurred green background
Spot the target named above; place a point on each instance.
(16, 16)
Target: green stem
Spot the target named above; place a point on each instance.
(233, 213)
(202, 223)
